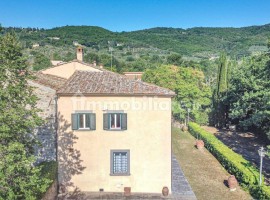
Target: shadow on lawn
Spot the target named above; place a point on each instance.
(69, 162)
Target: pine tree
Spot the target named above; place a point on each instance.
(19, 178)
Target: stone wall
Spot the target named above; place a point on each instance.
(46, 134)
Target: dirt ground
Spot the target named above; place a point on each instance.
(246, 144)
(204, 173)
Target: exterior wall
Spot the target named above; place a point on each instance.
(87, 153)
(66, 70)
(46, 134)
(134, 75)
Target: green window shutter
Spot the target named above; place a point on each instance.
(124, 121)
(74, 121)
(92, 121)
(106, 123)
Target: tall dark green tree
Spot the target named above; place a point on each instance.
(19, 178)
(220, 92)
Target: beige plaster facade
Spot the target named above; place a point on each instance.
(84, 156)
(67, 69)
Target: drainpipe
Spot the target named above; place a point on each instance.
(56, 140)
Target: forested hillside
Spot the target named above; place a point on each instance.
(203, 41)
(197, 42)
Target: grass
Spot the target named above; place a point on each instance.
(203, 172)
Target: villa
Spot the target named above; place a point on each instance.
(112, 133)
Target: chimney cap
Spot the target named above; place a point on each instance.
(80, 53)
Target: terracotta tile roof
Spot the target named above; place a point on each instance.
(54, 82)
(109, 83)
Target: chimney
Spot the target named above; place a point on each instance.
(80, 54)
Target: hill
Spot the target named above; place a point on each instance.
(201, 42)
(139, 50)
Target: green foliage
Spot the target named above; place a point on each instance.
(260, 192)
(19, 178)
(189, 86)
(199, 42)
(49, 170)
(91, 57)
(174, 59)
(235, 164)
(222, 79)
(69, 57)
(234, 41)
(220, 92)
(249, 94)
(56, 56)
(41, 62)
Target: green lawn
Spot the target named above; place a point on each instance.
(203, 172)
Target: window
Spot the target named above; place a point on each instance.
(115, 121)
(120, 162)
(83, 121)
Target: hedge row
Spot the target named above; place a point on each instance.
(243, 170)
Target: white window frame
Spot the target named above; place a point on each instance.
(84, 122)
(115, 121)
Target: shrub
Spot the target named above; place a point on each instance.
(49, 169)
(244, 171)
(260, 192)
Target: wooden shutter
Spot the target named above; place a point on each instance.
(106, 121)
(74, 121)
(124, 121)
(92, 121)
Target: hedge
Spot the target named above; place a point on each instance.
(243, 170)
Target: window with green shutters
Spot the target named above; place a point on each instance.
(115, 121)
(83, 121)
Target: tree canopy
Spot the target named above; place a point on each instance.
(189, 86)
(249, 94)
(19, 178)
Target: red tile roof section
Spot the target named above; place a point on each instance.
(109, 83)
(54, 82)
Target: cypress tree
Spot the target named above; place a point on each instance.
(220, 106)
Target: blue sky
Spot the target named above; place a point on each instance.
(127, 15)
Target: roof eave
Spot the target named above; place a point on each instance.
(111, 94)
